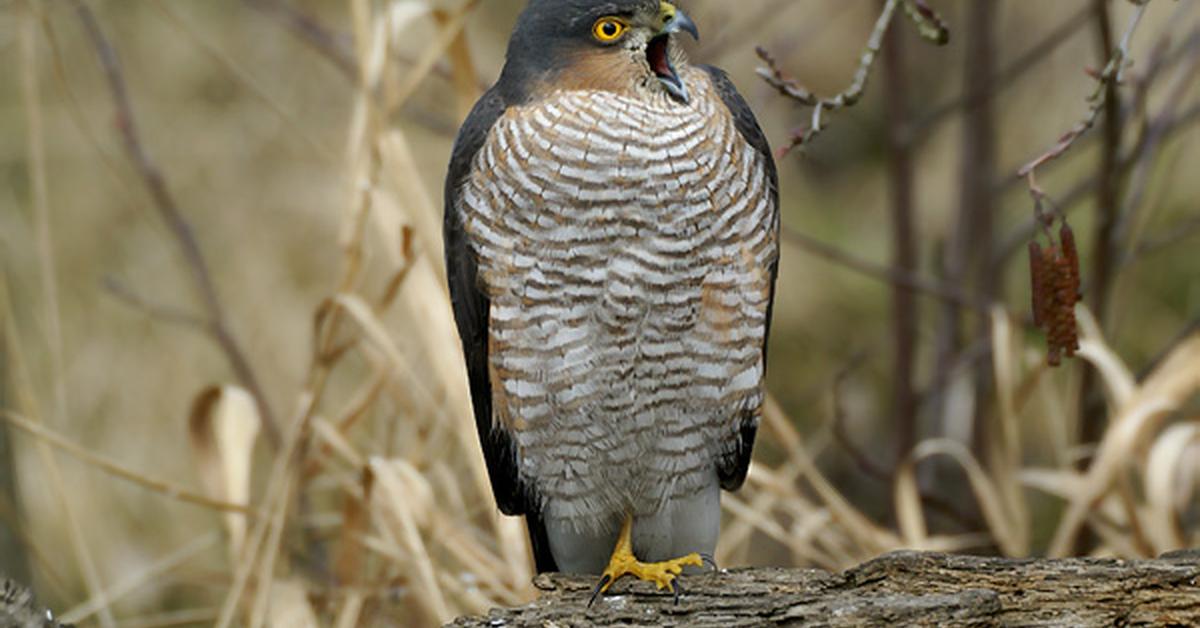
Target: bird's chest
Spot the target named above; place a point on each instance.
(590, 186)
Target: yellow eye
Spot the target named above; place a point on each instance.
(608, 29)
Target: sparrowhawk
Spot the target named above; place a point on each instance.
(611, 240)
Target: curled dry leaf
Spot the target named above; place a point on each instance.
(861, 531)
(290, 606)
(400, 500)
(930, 25)
(1117, 377)
(351, 555)
(1175, 380)
(222, 428)
(1162, 479)
(907, 498)
(1008, 528)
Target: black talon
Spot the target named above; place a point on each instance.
(677, 587)
(709, 560)
(596, 592)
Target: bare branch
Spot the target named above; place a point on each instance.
(168, 210)
(882, 272)
(1038, 52)
(165, 313)
(330, 44)
(931, 27)
(116, 469)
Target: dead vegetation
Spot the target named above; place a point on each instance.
(349, 490)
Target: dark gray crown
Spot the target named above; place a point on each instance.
(547, 31)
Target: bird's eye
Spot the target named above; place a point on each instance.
(608, 29)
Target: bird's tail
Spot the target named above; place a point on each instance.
(540, 541)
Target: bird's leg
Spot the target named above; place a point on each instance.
(623, 562)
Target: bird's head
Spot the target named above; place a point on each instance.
(623, 46)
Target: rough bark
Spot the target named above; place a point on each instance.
(19, 609)
(901, 588)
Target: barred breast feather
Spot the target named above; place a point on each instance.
(625, 246)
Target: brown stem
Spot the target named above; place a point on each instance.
(967, 250)
(1107, 192)
(1107, 199)
(979, 165)
(904, 249)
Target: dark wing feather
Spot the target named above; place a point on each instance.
(471, 312)
(732, 469)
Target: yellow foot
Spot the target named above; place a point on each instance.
(623, 562)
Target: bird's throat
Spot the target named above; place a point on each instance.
(658, 55)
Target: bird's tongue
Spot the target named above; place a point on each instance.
(660, 63)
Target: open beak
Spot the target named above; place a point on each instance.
(658, 50)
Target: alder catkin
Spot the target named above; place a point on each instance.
(1037, 283)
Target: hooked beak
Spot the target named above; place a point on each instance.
(658, 50)
(674, 20)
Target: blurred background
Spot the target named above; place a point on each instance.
(230, 381)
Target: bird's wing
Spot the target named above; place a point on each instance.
(471, 313)
(471, 307)
(732, 469)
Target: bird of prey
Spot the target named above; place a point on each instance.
(611, 240)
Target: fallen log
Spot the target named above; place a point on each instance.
(901, 588)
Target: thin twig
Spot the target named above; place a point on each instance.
(882, 272)
(790, 88)
(1111, 76)
(52, 472)
(1027, 60)
(868, 466)
(165, 313)
(848, 97)
(931, 27)
(1191, 328)
(861, 460)
(169, 211)
(1016, 240)
(114, 468)
(135, 580)
(334, 46)
(1174, 235)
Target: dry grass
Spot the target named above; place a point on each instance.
(375, 505)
